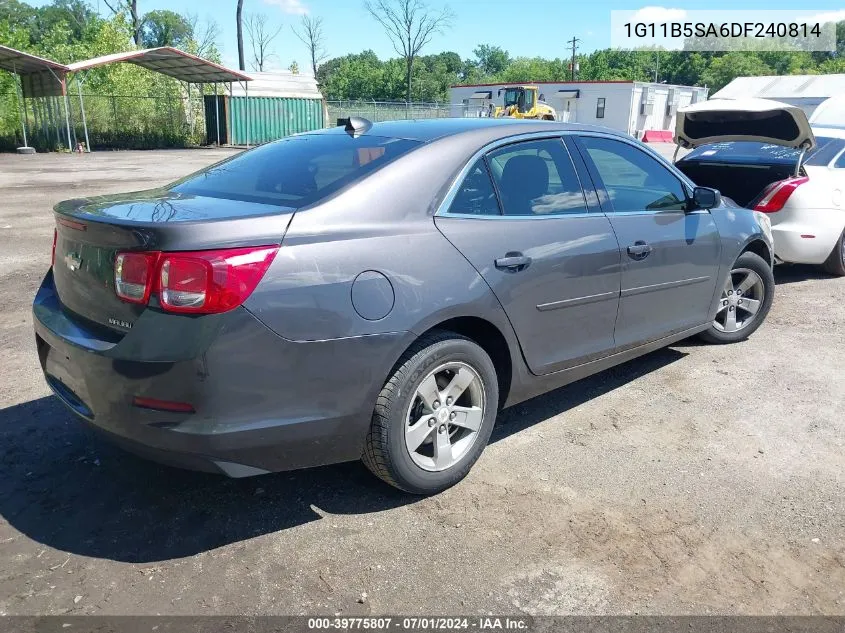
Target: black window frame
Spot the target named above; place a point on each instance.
(601, 105)
(601, 189)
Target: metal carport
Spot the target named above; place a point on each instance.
(45, 78)
(172, 62)
(39, 77)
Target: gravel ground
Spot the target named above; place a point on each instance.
(696, 479)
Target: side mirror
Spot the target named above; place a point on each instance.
(706, 198)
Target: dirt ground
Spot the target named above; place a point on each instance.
(697, 479)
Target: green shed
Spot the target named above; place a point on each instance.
(271, 106)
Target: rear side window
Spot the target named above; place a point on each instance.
(476, 195)
(295, 171)
(537, 178)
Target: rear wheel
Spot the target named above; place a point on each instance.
(434, 415)
(835, 263)
(746, 300)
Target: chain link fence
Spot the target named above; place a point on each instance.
(377, 111)
(147, 122)
(113, 121)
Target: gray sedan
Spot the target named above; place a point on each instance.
(381, 291)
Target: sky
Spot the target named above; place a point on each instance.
(536, 28)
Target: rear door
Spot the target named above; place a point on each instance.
(521, 218)
(670, 256)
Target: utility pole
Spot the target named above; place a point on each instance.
(656, 65)
(574, 45)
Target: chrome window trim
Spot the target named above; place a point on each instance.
(443, 208)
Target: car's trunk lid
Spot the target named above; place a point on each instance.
(760, 120)
(91, 232)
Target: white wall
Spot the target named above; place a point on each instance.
(658, 116)
(617, 102)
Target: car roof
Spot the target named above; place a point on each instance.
(826, 130)
(426, 130)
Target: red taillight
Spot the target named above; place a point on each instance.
(133, 276)
(212, 281)
(53, 254)
(202, 282)
(776, 194)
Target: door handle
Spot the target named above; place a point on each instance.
(639, 250)
(513, 262)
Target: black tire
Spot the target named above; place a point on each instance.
(385, 452)
(835, 263)
(754, 262)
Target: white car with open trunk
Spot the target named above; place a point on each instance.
(765, 155)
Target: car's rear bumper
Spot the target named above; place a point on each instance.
(806, 236)
(262, 402)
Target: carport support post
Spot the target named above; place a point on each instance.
(217, 113)
(82, 109)
(248, 118)
(21, 103)
(67, 118)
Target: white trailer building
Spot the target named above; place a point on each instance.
(628, 106)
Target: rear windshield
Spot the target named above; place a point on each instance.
(295, 171)
(750, 153)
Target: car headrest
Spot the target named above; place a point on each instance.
(525, 177)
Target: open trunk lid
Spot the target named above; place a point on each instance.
(91, 232)
(760, 120)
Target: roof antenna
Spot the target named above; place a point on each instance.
(357, 125)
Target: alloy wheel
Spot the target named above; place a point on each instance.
(742, 298)
(445, 415)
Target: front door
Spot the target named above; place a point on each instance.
(552, 263)
(670, 254)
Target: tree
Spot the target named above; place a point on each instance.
(491, 60)
(409, 25)
(261, 35)
(722, 70)
(166, 28)
(130, 7)
(310, 33)
(204, 35)
(239, 21)
(294, 67)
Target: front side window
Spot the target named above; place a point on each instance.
(476, 195)
(295, 171)
(634, 180)
(536, 178)
(599, 108)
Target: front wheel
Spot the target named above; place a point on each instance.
(434, 415)
(835, 263)
(746, 300)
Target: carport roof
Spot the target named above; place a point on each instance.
(19, 62)
(168, 61)
(39, 77)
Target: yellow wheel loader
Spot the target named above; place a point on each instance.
(523, 102)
